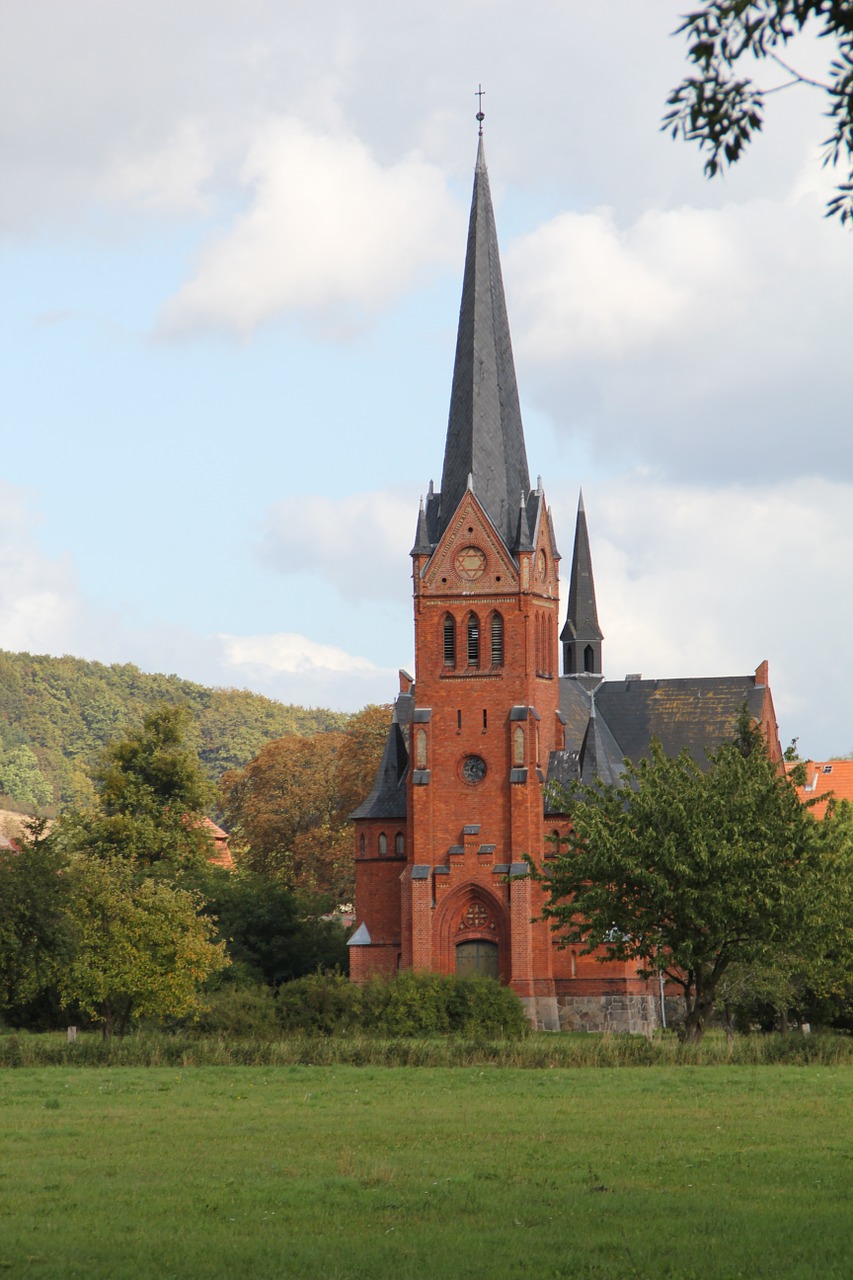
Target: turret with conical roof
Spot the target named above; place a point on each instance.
(485, 439)
(581, 636)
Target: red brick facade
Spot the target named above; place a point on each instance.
(458, 804)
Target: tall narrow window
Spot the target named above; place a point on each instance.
(399, 843)
(361, 844)
(449, 641)
(473, 641)
(485, 719)
(588, 658)
(383, 845)
(497, 638)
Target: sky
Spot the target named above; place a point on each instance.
(232, 243)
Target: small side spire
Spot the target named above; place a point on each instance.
(523, 538)
(581, 636)
(423, 546)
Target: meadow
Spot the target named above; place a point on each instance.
(344, 1173)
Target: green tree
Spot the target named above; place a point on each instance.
(689, 871)
(143, 947)
(152, 793)
(37, 935)
(722, 112)
(22, 780)
(151, 769)
(271, 934)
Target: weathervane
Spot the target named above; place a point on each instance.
(480, 114)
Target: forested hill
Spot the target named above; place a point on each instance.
(56, 715)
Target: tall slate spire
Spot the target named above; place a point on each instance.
(581, 636)
(485, 438)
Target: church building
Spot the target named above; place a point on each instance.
(460, 796)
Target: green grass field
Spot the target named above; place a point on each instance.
(344, 1173)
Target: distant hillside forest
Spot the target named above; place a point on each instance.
(57, 714)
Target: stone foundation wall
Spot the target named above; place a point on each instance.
(542, 1012)
(634, 1014)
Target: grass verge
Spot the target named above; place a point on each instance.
(159, 1049)
(343, 1174)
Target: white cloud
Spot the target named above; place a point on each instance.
(169, 177)
(690, 337)
(39, 599)
(353, 542)
(296, 669)
(694, 581)
(330, 233)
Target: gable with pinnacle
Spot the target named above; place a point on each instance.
(471, 556)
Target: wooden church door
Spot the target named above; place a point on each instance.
(477, 957)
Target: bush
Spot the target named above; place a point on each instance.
(239, 1013)
(410, 1004)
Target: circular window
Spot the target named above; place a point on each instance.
(470, 563)
(473, 769)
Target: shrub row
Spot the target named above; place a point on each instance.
(410, 1004)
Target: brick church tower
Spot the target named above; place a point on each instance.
(460, 799)
(440, 842)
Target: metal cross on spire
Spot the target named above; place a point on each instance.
(480, 113)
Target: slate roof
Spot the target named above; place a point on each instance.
(387, 798)
(485, 438)
(697, 714)
(574, 705)
(600, 754)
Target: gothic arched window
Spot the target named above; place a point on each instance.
(383, 845)
(473, 639)
(399, 843)
(362, 844)
(497, 640)
(589, 658)
(449, 641)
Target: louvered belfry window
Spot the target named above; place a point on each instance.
(497, 638)
(473, 641)
(449, 642)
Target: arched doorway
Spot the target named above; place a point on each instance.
(477, 957)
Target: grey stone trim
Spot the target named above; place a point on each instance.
(472, 829)
(420, 777)
(518, 713)
(519, 869)
(518, 775)
(422, 715)
(487, 848)
(421, 871)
